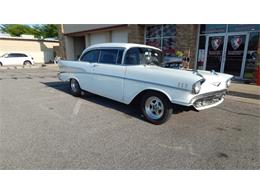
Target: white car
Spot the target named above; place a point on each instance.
(16, 59)
(131, 72)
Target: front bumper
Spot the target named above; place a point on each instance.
(208, 100)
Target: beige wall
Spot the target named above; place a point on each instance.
(41, 51)
(69, 48)
(74, 45)
(71, 28)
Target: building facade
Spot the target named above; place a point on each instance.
(228, 48)
(43, 51)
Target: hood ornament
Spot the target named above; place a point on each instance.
(213, 72)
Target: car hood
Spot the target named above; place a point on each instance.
(214, 77)
(211, 80)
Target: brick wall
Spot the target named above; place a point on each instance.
(186, 39)
(136, 33)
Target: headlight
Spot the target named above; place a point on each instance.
(228, 82)
(196, 87)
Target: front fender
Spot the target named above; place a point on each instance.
(175, 95)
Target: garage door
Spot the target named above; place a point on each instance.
(99, 38)
(120, 36)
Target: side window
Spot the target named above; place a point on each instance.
(119, 56)
(91, 56)
(12, 55)
(132, 57)
(19, 55)
(108, 56)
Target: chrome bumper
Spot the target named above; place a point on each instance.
(208, 100)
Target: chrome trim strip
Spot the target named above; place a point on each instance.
(131, 79)
(164, 85)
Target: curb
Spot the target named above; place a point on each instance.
(244, 100)
(27, 67)
(244, 95)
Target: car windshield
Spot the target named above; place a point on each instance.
(147, 56)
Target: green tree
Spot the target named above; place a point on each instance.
(39, 31)
(46, 30)
(16, 29)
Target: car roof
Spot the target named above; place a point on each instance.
(124, 45)
(16, 53)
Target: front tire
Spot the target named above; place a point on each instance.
(75, 88)
(156, 107)
(1, 64)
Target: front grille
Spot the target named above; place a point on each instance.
(207, 100)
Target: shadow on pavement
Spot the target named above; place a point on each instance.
(131, 110)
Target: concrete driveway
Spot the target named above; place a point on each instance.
(42, 126)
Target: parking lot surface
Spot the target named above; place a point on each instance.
(42, 126)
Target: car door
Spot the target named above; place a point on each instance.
(84, 71)
(108, 74)
(13, 59)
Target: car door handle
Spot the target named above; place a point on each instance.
(95, 65)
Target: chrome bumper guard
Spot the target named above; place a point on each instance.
(208, 100)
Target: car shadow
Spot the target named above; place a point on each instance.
(132, 110)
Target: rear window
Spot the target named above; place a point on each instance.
(91, 56)
(23, 55)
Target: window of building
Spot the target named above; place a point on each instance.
(212, 28)
(243, 27)
(91, 56)
(251, 58)
(162, 37)
(201, 52)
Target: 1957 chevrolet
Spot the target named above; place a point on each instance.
(128, 72)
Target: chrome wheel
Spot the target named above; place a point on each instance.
(75, 88)
(73, 85)
(154, 108)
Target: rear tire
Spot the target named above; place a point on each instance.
(156, 107)
(27, 63)
(75, 88)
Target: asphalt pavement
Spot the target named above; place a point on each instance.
(42, 126)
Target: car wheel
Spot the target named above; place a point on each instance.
(156, 107)
(75, 88)
(1, 64)
(27, 63)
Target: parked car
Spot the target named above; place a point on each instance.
(16, 59)
(131, 72)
